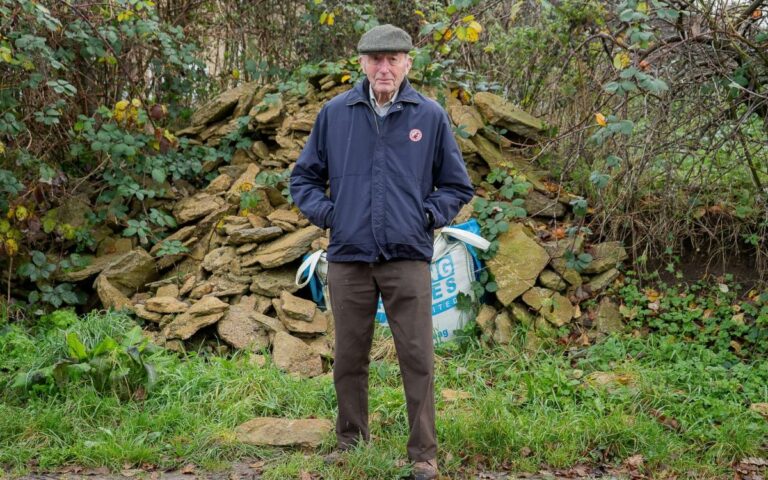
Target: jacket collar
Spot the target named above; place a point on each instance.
(359, 93)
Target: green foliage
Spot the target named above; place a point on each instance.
(718, 316)
(171, 247)
(494, 212)
(109, 366)
(547, 404)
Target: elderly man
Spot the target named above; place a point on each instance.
(395, 174)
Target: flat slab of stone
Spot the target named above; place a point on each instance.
(552, 280)
(602, 280)
(207, 311)
(283, 250)
(608, 318)
(498, 111)
(253, 235)
(319, 323)
(539, 205)
(131, 271)
(240, 329)
(502, 332)
(282, 432)
(219, 258)
(292, 355)
(517, 263)
(273, 282)
(222, 105)
(166, 305)
(468, 117)
(605, 256)
(197, 206)
(557, 309)
(296, 307)
(111, 296)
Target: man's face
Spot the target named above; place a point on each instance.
(385, 71)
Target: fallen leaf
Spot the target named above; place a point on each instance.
(305, 475)
(668, 422)
(761, 408)
(652, 295)
(450, 395)
(635, 461)
(600, 119)
(188, 469)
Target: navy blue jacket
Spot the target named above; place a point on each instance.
(384, 173)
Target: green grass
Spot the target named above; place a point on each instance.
(545, 403)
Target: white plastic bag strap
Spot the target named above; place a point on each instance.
(309, 264)
(467, 237)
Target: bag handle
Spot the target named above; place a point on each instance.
(467, 237)
(310, 264)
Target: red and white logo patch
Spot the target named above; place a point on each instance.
(415, 135)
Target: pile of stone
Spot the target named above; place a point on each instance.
(538, 288)
(235, 278)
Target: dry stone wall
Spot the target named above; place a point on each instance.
(237, 279)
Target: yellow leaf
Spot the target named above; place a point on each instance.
(11, 247)
(331, 17)
(5, 55)
(475, 26)
(468, 18)
(490, 48)
(472, 35)
(652, 295)
(154, 144)
(121, 105)
(21, 213)
(169, 136)
(346, 77)
(621, 60)
(642, 7)
(136, 103)
(2, 148)
(461, 33)
(417, 12)
(124, 15)
(67, 231)
(323, 18)
(235, 73)
(600, 119)
(318, 2)
(448, 34)
(11, 213)
(245, 186)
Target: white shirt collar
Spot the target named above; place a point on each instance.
(373, 99)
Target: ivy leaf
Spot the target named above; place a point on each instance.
(599, 179)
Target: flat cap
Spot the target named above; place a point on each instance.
(385, 38)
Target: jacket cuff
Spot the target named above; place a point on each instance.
(328, 219)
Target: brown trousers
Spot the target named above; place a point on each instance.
(406, 291)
